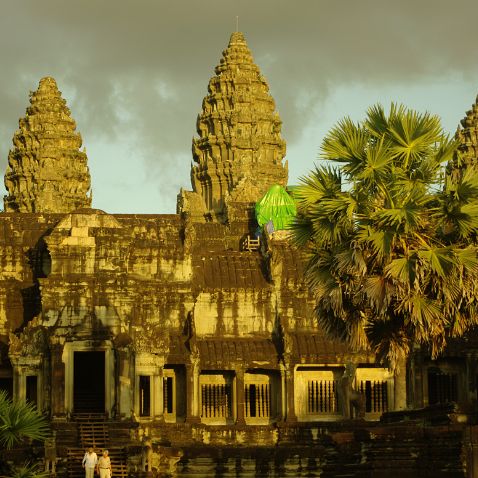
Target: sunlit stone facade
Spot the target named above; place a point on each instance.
(192, 338)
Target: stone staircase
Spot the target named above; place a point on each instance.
(93, 431)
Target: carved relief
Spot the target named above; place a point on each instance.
(150, 339)
(30, 344)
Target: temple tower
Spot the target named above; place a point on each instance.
(239, 134)
(467, 136)
(46, 170)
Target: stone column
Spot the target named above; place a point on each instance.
(57, 381)
(158, 400)
(110, 386)
(192, 391)
(283, 392)
(125, 383)
(400, 386)
(289, 379)
(240, 398)
(19, 383)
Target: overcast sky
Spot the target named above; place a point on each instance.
(134, 74)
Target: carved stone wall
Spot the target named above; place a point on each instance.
(46, 170)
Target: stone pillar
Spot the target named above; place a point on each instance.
(240, 398)
(110, 386)
(19, 383)
(283, 392)
(192, 392)
(57, 381)
(158, 400)
(289, 379)
(400, 386)
(125, 383)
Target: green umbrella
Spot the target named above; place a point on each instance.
(277, 206)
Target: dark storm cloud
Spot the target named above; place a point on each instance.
(139, 69)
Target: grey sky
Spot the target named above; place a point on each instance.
(134, 74)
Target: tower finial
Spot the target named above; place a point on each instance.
(237, 23)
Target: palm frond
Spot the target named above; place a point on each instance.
(27, 470)
(19, 420)
(394, 255)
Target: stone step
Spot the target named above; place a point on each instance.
(93, 434)
(89, 416)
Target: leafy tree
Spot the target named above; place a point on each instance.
(390, 238)
(20, 421)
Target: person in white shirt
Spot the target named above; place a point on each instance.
(104, 465)
(89, 463)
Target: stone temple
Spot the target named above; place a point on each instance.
(183, 343)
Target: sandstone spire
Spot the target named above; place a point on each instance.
(46, 170)
(467, 136)
(239, 132)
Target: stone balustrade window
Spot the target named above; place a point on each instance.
(316, 393)
(376, 395)
(257, 400)
(442, 386)
(322, 396)
(376, 385)
(217, 401)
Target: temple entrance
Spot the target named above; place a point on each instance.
(89, 382)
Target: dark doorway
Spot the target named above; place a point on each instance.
(32, 389)
(6, 384)
(89, 382)
(144, 396)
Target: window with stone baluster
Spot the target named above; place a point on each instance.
(258, 401)
(376, 385)
(216, 397)
(316, 393)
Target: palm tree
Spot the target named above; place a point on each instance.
(389, 236)
(21, 421)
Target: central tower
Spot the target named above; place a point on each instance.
(239, 151)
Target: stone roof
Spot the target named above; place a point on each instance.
(230, 270)
(316, 348)
(227, 351)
